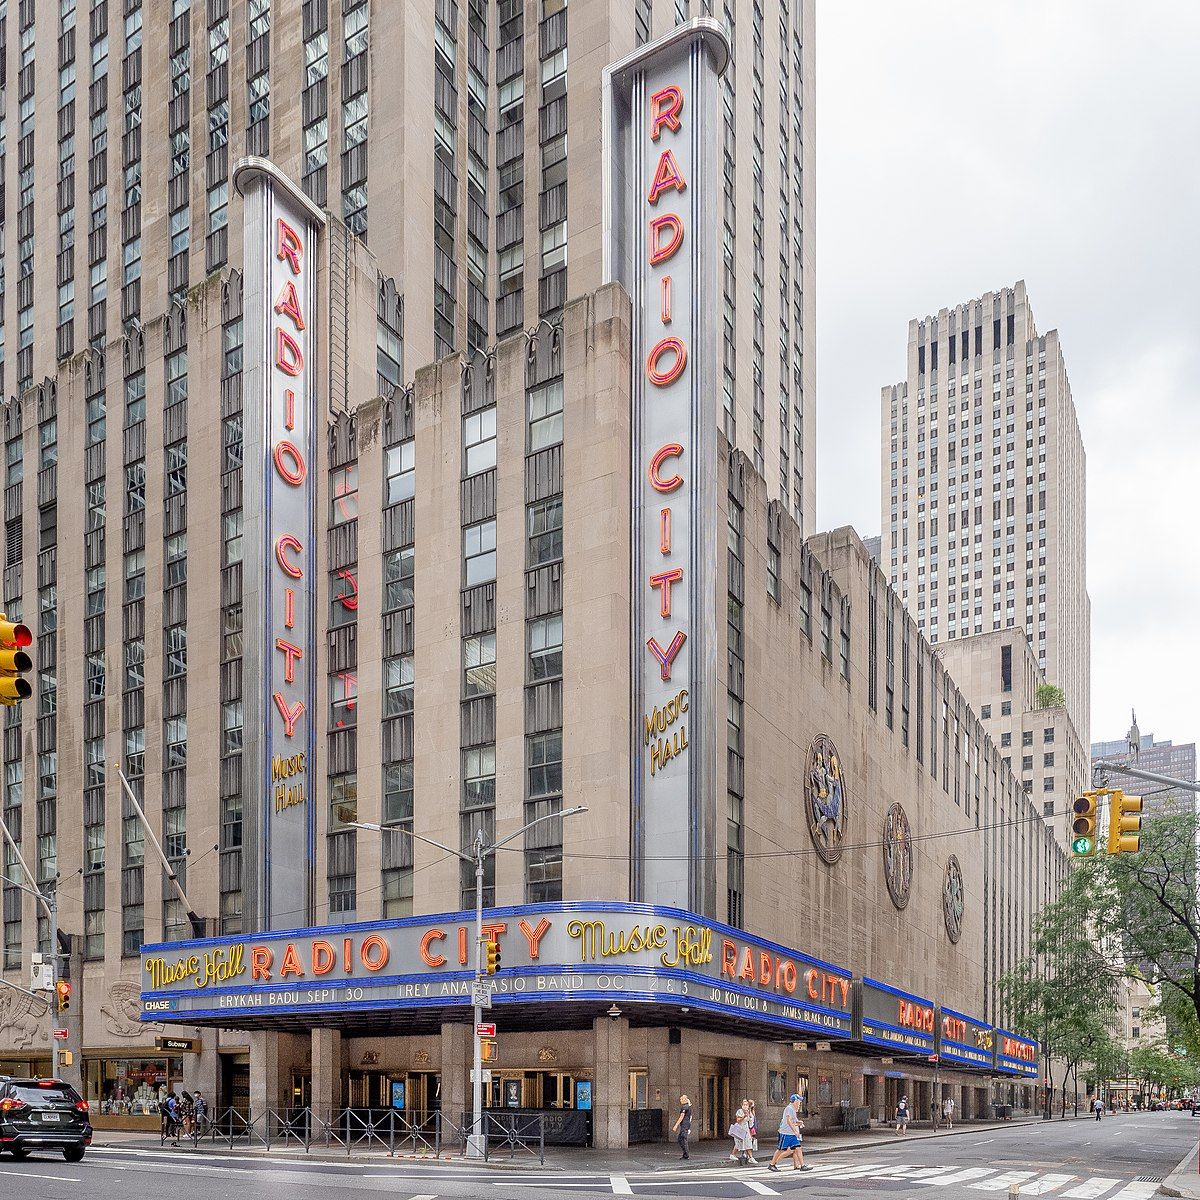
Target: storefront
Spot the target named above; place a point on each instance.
(601, 1009)
(131, 1087)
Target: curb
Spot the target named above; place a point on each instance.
(1171, 1186)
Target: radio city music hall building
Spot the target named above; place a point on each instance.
(457, 605)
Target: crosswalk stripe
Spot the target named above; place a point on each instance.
(1136, 1191)
(1090, 1189)
(1047, 1183)
(963, 1176)
(999, 1183)
(759, 1189)
(620, 1185)
(857, 1171)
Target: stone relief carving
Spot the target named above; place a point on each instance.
(24, 1021)
(122, 1010)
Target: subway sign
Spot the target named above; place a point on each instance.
(564, 952)
(661, 221)
(281, 234)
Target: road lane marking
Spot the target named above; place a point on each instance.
(1000, 1182)
(759, 1189)
(1092, 1188)
(31, 1175)
(963, 1176)
(1136, 1191)
(984, 1142)
(620, 1185)
(1047, 1183)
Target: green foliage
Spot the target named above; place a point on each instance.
(1151, 913)
(1065, 992)
(1050, 695)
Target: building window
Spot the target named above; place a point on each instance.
(343, 801)
(1006, 739)
(176, 469)
(343, 498)
(1048, 735)
(135, 398)
(773, 568)
(398, 572)
(176, 560)
(397, 793)
(479, 777)
(1048, 784)
(479, 665)
(546, 415)
(175, 647)
(805, 595)
(177, 387)
(545, 531)
(545, 765)
(545, 648)
(231, 632)
(343, 598)
(398, 685)
(95, 591)
(399, 468)
(231, 727)
(343, 700)
(479, 553)
(231, 533)
(479, 441)
(1006, 708)
(985, 712)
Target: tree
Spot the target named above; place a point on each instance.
(1050, 695)
(1065, 993)
(1152, 915)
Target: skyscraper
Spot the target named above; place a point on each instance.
(984, 491)
(1161, 758)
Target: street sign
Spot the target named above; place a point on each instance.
(485, 1029)
(60, 1035)
(481, 995)
(178, 1045)
(933, 1058)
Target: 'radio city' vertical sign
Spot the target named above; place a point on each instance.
(661, 211)
(279, 306)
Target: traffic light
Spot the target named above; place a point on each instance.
(487, 1050)
(14, 662)
(492, 957)
(63, 988)
(1083, 825)
(1124, 823)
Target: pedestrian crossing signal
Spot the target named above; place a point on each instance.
(1124, 823)
(14, 662)
(1083, 825)
(487, 1050)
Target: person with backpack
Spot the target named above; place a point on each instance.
(902, 1116)
(171, 1124)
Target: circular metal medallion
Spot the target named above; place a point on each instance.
(825, 797)
(953, 900)
(898, 855)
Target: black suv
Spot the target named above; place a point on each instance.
(43, 1114)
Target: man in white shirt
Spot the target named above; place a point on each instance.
(790, 1137)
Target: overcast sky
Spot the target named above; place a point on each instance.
(961, 147)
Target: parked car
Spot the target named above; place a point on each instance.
(43, 1114)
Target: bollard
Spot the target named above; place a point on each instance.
(1014, 1189)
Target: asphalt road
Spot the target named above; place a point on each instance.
(1120, 1158)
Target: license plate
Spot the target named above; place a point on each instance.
(51, 1116)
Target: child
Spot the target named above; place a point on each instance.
(740, 1132)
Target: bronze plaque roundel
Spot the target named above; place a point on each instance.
(825, 797)
(953, 901)
(898, 855)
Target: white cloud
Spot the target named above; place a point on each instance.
(961, 147)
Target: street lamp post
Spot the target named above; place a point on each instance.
(478, 856)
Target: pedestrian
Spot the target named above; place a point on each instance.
(902, 1115)
(172, 1122)
(740, 1132)
(200, 1113)
(790, 1137)
(933, 1114)
(752, 1122)
(1098, 1107)
(683, 1126)
(186, 1111)
(948, 1111)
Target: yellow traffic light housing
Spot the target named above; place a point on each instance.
(63, 988)
(14, 662)
(1083, 825)
(487, 1050)
(1124, 823)
(491, 957)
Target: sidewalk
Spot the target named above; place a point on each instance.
(655, 1156)
(1185, 1179)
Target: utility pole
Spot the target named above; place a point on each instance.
(478, 856)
